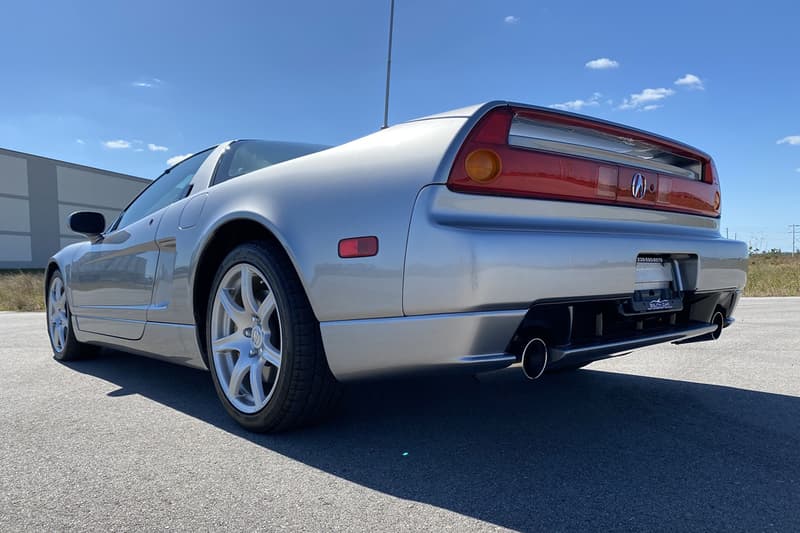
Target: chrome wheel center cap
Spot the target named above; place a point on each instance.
(257, 337)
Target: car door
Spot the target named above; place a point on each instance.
(112, 279)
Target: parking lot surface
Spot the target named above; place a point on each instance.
(697, 437)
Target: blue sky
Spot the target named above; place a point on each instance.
(168, 78)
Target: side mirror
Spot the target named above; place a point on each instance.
(89, 223)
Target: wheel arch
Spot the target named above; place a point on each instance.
(52, 266)
(55, 265)
(220, 241)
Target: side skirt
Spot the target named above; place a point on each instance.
(175, 343)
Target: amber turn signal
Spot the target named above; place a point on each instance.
(483, 165)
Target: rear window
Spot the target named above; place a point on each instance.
(247, 156)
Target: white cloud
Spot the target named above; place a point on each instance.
(80, 141)
(116, 144)
(791, 139)
(511, 19)
(601, 63)
(177, 159)
(156, 148)
(651, 107)
(690, 81)
(577, 105)
(646, 98)
(147, 83)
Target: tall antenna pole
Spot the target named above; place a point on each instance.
(388, 68)
(793, 227)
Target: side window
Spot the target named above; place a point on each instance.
(247, 156)
(166, 189)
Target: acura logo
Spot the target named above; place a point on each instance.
(638, 186)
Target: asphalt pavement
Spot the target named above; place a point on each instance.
(697, 437)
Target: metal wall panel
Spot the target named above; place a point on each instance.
(70, 240)
(15, 247)
(13, 175)
(37, 195)
(14, 215)
(93, 188)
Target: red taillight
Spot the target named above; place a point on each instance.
(541, 171)
(712, 177)
(358, 247)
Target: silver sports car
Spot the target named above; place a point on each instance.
(474, 239)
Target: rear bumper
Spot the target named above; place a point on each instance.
(472, 253)
(604, 349)
(483, 273)
(379, 346)
(485, 341)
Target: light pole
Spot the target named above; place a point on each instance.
(388, 68)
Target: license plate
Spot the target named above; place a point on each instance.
(653, 273)
(656, 288)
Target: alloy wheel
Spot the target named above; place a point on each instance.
(57, 317)
(246, 338)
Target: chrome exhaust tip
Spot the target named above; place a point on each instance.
(534, 358)
(717, 319)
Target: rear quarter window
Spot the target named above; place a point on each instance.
(243, 157)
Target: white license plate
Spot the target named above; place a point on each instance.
(652, 273)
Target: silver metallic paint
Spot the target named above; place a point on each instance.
(370, 347)
(366, 187)
(113, 278)
(469, 252)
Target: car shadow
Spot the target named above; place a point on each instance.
(585, 450)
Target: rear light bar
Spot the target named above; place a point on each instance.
(543, 154)
(587, 143)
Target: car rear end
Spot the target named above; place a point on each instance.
(588, 236)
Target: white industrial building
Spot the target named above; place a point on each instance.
(37, 194)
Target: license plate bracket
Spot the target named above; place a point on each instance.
(658, 287)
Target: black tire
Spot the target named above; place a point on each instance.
(305, 391)
(72, 349)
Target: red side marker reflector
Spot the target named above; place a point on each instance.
(358, 247)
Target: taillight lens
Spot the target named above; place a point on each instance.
(482, 165)
(487, 163)
(712, 177)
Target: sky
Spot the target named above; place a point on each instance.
(129, 86)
